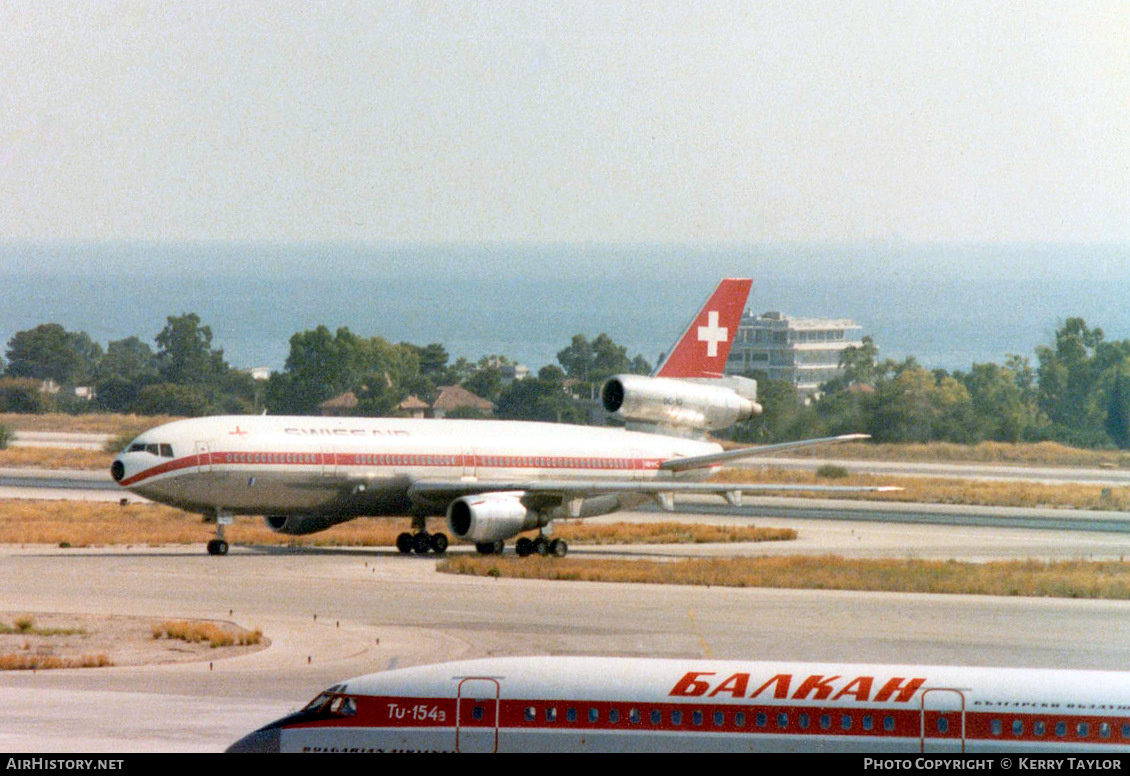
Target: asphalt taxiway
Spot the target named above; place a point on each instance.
(335, 613)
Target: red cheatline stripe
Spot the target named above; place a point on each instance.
(424, 713)
(459, 461)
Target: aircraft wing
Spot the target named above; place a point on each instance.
(545, 494)
(703, 461)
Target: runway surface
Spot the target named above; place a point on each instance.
(336, 613)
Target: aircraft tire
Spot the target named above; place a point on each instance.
(439, 543)
(524, 547)
(404, 543)
(485, 548)
(217, 547)
(558, 548)
(541, 546)
(422, 543)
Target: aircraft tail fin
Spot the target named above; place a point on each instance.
(703, 348)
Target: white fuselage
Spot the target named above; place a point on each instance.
(560, 704)
(366, 466)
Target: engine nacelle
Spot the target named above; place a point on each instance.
(488, 517)
(300, 525)
(678, 403)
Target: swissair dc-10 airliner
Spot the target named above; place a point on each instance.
(573, 704)
(492, 479)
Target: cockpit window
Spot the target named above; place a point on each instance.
(161, 449)
(316, 705)
(326, 705)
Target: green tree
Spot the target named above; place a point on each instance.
(594, 362)
(858, 363)
(173, 399)
(129, 359)
(1118, 411)
(919, 406)
(50, 352)
(185, 354)
(320, 366)
(784, 417)
(23, 394)
(1003, 409)
(540, 398)
(1073, 381)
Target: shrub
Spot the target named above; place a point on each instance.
(832, 471)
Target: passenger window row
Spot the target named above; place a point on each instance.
(698, 718)
(785, 720)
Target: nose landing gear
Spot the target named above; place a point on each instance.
(219, 545)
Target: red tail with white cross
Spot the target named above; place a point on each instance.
(705, 345)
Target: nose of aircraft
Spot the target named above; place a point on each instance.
(264, 740)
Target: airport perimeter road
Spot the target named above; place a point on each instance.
(336, 613)
(75, 440)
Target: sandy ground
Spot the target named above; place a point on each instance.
(123, 641)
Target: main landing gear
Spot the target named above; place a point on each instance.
(541, 545)
(421, 542)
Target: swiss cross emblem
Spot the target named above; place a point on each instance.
(712, 334)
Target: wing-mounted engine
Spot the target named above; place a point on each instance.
(300, 525)
(685, 405)
(490, 517)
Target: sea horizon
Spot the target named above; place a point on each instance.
(947, 305)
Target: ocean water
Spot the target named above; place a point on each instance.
(948, 306)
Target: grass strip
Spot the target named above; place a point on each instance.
(29, 662)
(943, 490)
(95, 524)
(215, 634)
(1028, 578)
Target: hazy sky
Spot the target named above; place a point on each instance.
(692, 122)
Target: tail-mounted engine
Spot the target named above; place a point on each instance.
(681, 404)
(488, 517)
(300, 525)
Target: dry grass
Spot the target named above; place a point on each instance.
(25, 625)
(939, 490)
(1027, 453)
(94, 524)
(216, 634)
(1058, 579)
(94, 423)
(33, 662)
(55, 458)
(665, 533)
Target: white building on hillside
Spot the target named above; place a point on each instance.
(803, 351)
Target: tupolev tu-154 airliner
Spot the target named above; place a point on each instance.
(492, 479)
(611, 704)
